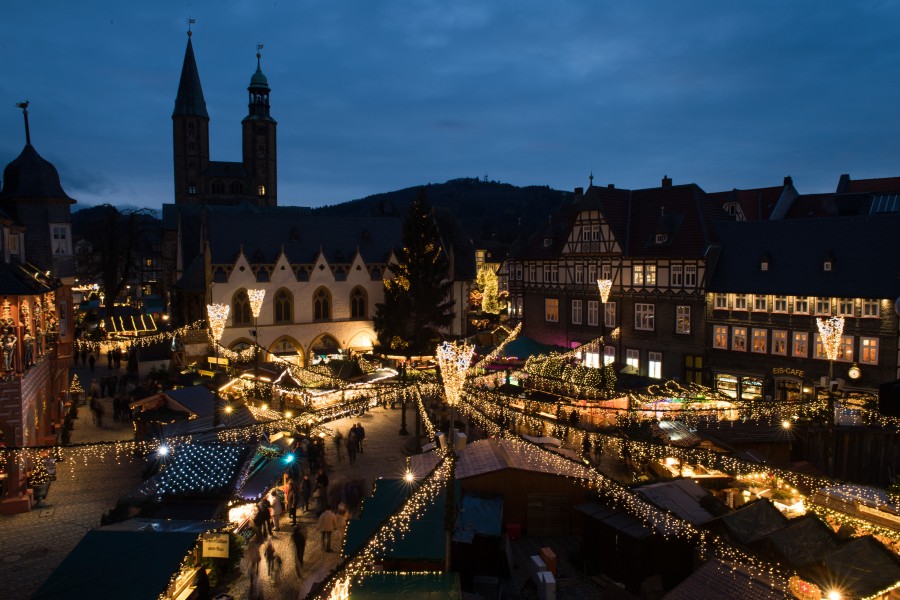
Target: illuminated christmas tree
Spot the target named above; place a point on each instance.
(75, 388)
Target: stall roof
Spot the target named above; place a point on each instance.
(804, 541)
(487, 456)
(863, 567)
(425, 538)
(616, 519)
(681, 497)
(754, 521)
(121, 564)
(427, 586)
(716, 579)
(479, 515)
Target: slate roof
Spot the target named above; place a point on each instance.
(829, 205)
(716, 579)
(756, 203)
(865, 253)
(876, 185)
(29, 176)
(683, 212)
(681, 497)
(189, 100)
(302, 236)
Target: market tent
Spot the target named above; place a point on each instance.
(126, 565)
(717, 579)
(425, 539)
(806, 540)
(524, 347)
(479, 515)
(427, 586)
(754, 521)
(863, 568)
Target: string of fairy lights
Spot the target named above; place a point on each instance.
(496, 352)
(142, 340)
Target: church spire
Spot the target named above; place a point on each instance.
(189, 101)
(259, 92)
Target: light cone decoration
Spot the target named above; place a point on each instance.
(217, 315)
(605, 285)
(256, 301)
(454, 360)
(831, 330)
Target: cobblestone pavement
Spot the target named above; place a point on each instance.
(33, 544)
(382, 457)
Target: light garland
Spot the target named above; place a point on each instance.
(142, 340)
(196, 469)
(495, 353)
(453, 360)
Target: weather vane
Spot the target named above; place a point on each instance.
(24, 107)
(190, 22)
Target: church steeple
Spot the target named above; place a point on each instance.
(259, 143)
(189, 101)
(190, 132)
(259, 92)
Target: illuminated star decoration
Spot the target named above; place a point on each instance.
(454, 359)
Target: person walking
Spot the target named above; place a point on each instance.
(264, 517)
(327, 525)
(341, 517)
(305, 493)
(321, 491)
(275, 509)
(338, 442)
(352, 445)
(292, 497)
(298, 537)
(361, 434)
(270, 558)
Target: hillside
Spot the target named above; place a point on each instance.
(492, 213)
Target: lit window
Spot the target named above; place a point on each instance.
(801, 344)
(654, 365)
(720, 337)
(683, 319)
(262, 190)
(868, 350)
(823, 306)
(760, 341)
(739, 339)
(593, 312)
(551, 310)
(633, 358)
(576, 312)
(644, 316)
(845, 351)
(779, 342)
(637, 276)
(609, 355)
(591, 360)
(650, 275)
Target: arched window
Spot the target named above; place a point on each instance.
(237, 187)
(218, 187)
(240, 308)
(358, 304)
(321, 305)
(284, 306)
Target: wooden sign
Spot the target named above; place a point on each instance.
(215, 545)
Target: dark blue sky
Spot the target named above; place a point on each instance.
(376, 96)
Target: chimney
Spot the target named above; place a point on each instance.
(666, 182)
(611, 186)
(579, 192)
(788, 181)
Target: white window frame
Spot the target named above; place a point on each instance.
(606, 271)
(720, 337)
(676, 276)
(690, 276)
(637, 275)
(739, 339)
(644, 316)
(759, 342)
(579, 276)
(650, 275)
(780, 304)
(554, 273)
(720, 302)
(868, 350)
(800, 344)
(592, 273)
(870, 308)
(633, 358)
(779, 338)
(845, 307)
(593, 312)
(823, 305)
(759, 302)
(576, 312)
(532, 273)
(654, 365)
(61, 239)
(740, 302)
(518, 271)
(609, 314)
(609, 355)
(801, 305)
(845, 352)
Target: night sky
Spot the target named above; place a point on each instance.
(375, 96)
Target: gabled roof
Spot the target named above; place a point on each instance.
(263, 235)
(189, 100)
(754, 521)
(797, 249)
(878, 185)
(681, 497)
(488, 456)
(862, 567)
(806, 540)
(756, 203)
(716, 579)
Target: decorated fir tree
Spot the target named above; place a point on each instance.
(75, 389)
(40, 475)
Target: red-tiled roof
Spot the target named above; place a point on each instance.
(757, 203)
(878, 185)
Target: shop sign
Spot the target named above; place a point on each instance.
(215, 545)
(787, 371)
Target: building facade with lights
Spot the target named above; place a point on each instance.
(656, 247)
(36, 338)
(775, 278)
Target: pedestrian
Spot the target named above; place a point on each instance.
(109, 359)
(117, 357)
(352, 445)
(321, 490)
(91, 361)
(99, 414)
(264, 516)
(292, 497)
(341, 517)
(251, 559)
(298, 536)
(270, 558)
(338, 441)
(305, 493)
(327, 524)
(361, 433)
(275, 509)
(259, 522)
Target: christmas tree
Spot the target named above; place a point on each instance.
(40, 475)
(75, 388)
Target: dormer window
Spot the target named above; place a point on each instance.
(828, 263)
(764, 263)
(192, 189)
(730, 209)
(662, 238)
(548, 242)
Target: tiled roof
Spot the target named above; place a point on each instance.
(757, 203)
(189, 100)
(716, 579)
(878, 185)
(864, 251)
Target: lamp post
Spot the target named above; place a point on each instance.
(256, 301)
(604, 285)
(831, 331)
(217, 315)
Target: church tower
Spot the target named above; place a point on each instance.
(190, 125)
(259, 148)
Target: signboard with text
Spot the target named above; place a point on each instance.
(215, 545)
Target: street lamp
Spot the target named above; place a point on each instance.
(831, 331)
(217, 315)
(256, 301)
(605, 285)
